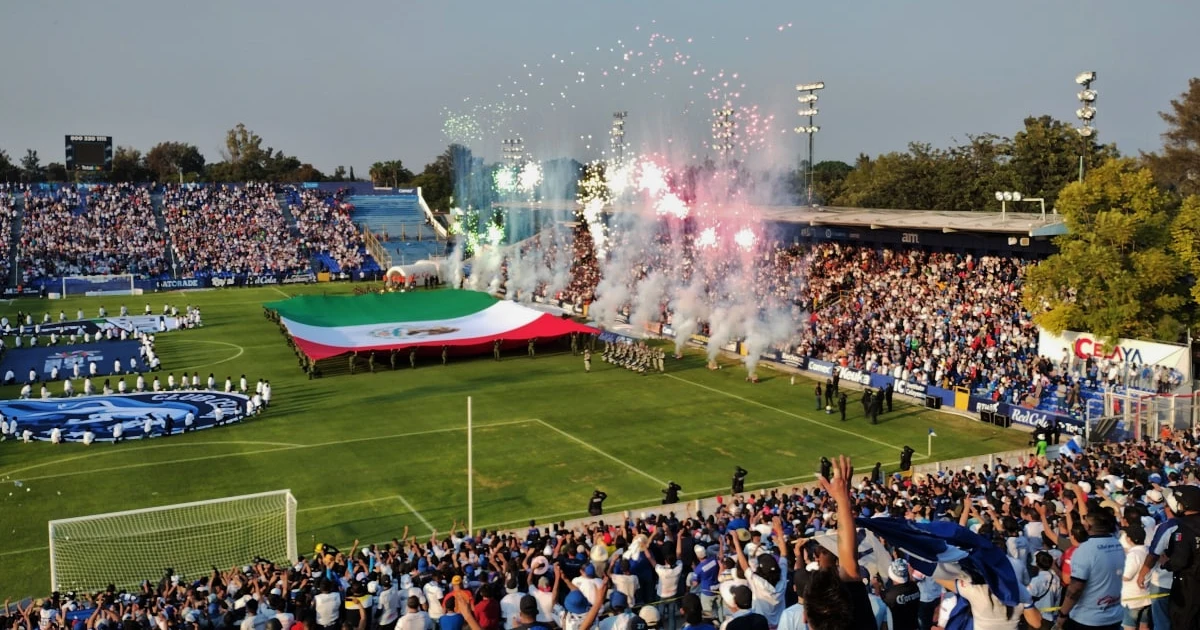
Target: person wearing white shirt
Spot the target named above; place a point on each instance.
(510, 604)
(266, 395)
(433, 595)
(1134, 598)
(389, 604)
(33, 375)
(242, 385)
(88, 437)
(75, 370)
(45, 392)
(116, 366)
(9, 377)
(17, 341)
(27, 436)
(56, 435)
(228, 385)
(254, 619)
(257, 399)
(68, 388)
(171, 381)
(258, 387)
(157, 386)
(121, 386)
(196, 380)
(3, 428)
(118, 432)
(125, 313)
(218, 416)
(415, 618)
(668, 575)
(147, 428)
(54, 373)
(91, 368)
(328, 604)
(587, 583)
(88, 388)
(188, 421)
(26, 391)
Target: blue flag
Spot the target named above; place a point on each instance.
(931, 544)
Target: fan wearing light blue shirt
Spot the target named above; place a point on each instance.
(1093, 598)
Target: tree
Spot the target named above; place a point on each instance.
(390, 173)
(828, 177)
(1045, 157)
(31, 165)
(8, 171)
(128, 166)
(1185, 241)
(352, 177)
(305, 173)
(339, 174)
(1178, 164)
(166, 160)
(1115, 274)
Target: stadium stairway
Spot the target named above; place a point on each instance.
(14, 238)
(281, 200)
(410, 238)
(160, 221)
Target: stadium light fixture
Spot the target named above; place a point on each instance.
(1086, 114)
(1005, 196)
(809, 99)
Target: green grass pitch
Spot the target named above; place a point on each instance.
(367, 455)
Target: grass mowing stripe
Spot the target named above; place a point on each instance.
(263, 451)
(589, 446)
(788, 413)
(415, 512)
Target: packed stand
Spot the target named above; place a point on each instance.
(107, 229)
(1098, 537)
(226, 230)
(8, 209)
(327, 229)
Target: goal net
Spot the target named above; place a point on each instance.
(119, 284)
(124, 548)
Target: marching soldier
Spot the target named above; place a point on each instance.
(392, 358)
(496, 349)
(445, 354)
(532, 344)
(353, 356)
(574, 344)
(371, 362)
(587, 360)
(412, 358)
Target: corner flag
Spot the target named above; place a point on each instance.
(932, 433)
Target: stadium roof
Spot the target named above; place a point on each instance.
(1013, 223)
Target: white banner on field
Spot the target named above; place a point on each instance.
(1126, 351)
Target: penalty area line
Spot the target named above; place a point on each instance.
(587, 445)
(788, 413)
(415, 512)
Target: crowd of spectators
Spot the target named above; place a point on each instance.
(108, 229)
(327, 228)
(8, 208)
(937, 318)
(1095, 537)
(223, 230)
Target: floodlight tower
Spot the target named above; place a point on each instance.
(722, 130)
(513, 150)
(1086, 113)
(616, 136)
(809, 103)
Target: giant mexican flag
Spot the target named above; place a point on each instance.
(468, 321)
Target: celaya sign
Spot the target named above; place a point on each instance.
(1129, 351)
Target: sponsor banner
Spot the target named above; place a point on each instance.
(100, 414)
(614, 337)
(9, 293)
(310, 185)
(45, 359)
(912, 390)
(62, 329)
(1131, 351)
(1041, 420)
(855, 376)
(823, 368)
(730, 347)
(406, 191)
(794, 360)
(982, 403)
(699, 340)
(223, 282)
(263, 280)
(181, 283)
(668, 331)
(300, 278)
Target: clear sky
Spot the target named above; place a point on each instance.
(354, 82)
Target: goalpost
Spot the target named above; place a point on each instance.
(115, 284)
(124, 548)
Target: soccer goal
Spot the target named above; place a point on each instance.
(124, 548)
(117, 284)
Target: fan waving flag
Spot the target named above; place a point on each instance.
(941, 548)
(327, 326)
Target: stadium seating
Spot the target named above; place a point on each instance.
(104, 230)
(327, 231)
(224, 230)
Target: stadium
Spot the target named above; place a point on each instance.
(654, 388)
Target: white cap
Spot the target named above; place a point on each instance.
(700, 551)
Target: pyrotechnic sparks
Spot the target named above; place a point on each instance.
(707, 238)
(530, 177)
(744, 238)
(505, 180)
(671, 204)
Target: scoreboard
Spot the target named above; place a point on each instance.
(89, 153)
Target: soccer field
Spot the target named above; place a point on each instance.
(368, 454)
